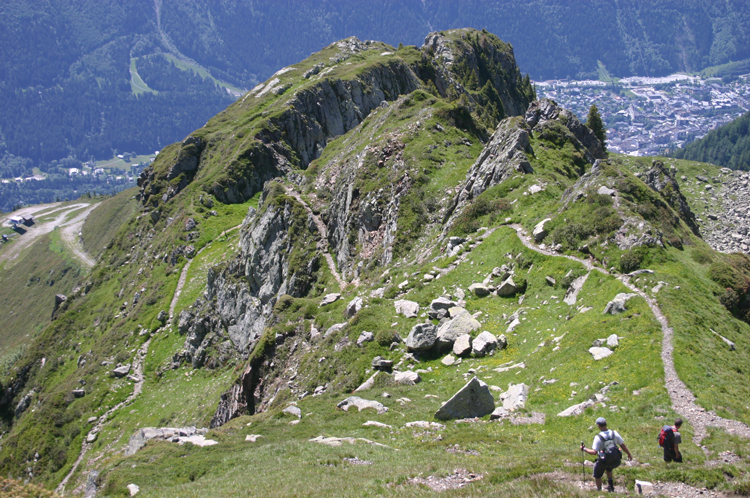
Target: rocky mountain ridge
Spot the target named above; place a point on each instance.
(432, 235)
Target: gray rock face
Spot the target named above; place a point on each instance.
(461, 324)
(507, 288)
(462, 345)
(540, 232)
(541, 113)
(617, 305)
(24, 403)
(503, 157)
(238, 400)
(422, 337)
(661, 180)
(409, 309)
(353, 307)
(240, 298)
(484, 343)
(472, 400)
(515, 397)
(361, 404)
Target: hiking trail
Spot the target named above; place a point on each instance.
(323, 244)
(683, 400)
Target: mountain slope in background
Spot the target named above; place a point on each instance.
(727, 146)
(83, 79)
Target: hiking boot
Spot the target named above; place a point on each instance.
(611, 488)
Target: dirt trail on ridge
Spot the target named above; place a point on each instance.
(323, 244)
(683, 400)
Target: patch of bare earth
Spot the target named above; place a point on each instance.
(458, 479)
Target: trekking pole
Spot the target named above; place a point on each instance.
(583, 465)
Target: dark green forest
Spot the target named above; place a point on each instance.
(728, 146)
(65, 64)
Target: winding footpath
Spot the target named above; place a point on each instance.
(683, 400)
(323, 243)
(138, 363)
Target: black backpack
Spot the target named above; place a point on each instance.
(611, 455)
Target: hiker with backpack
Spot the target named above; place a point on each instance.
(608, 455)
(670, 439)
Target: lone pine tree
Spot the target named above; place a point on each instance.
(594, 122)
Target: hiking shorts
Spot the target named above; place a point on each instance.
(671, 456)
(600, 468)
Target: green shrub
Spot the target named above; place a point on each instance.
(283, 303)
(630, 261)
(730, 299)
(724, 275)
(570, 235)
(701, 256)
(385, 337)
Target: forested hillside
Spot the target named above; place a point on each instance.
(83, 79)
(727, 146)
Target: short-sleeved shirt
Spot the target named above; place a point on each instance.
(677, 439)
(599, 443)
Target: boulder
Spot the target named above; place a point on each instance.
(577, 409)
(365, 337)
(604, 190)
(463, 323)
(329, 299)
(361, 404)
(353, 307)
(121, 371)
(422, 337)
(483, 344)
(571, 295)
(512, 326)
(462, 345)
(409, 309)
(643, 487)
(500, 412)
(617, 305)
(190, 225)
(133, 489)
(439, 307)
(472, 400)
(613, 341)
(507, 288)
(408, 378)
(480, 290)
(502, 342)
(293, 410)
(550, 281)
(600, 353)
(369, 383)
(449, 360)
(515, 397)
(379, 363)
(539, 230)
(79, 393)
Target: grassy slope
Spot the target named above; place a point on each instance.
(102, 224)
(505, 452)
(28, 286)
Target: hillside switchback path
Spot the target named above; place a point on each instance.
(683, 400)
(323, 244)
(138, 364)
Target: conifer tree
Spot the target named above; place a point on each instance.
(594, 123)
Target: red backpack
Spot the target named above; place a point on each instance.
(665, 435)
